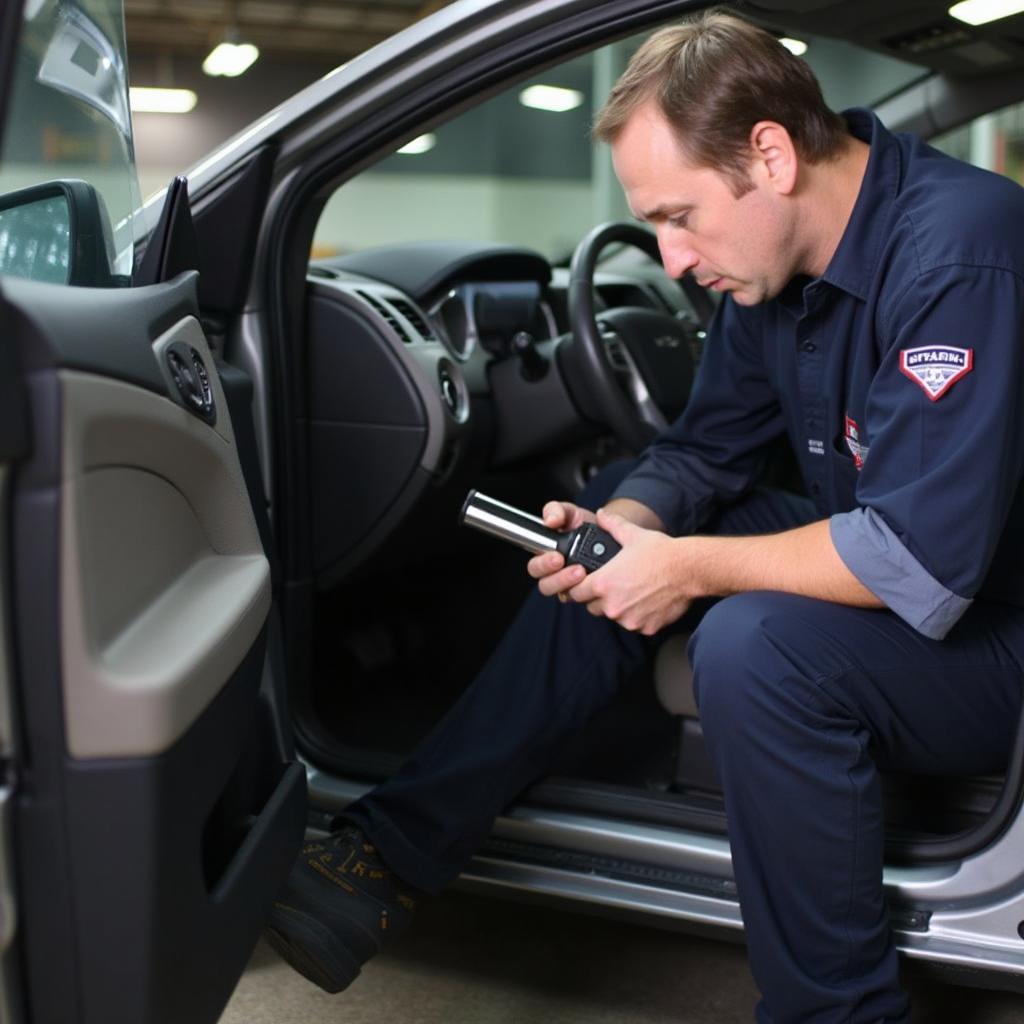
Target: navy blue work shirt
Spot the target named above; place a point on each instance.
(898, 376)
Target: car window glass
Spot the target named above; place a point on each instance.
(529, 175)
(68, 121)
(994, 141)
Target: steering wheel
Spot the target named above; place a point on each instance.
(630, 368)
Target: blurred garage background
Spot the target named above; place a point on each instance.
(507, 170)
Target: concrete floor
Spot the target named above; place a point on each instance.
(471, 960)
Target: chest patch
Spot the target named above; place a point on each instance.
(851, 434)
(936, 368)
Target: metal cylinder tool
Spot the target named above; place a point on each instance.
(588, 545)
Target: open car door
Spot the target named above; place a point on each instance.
(149, 808)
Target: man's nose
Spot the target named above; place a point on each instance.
(677, 258)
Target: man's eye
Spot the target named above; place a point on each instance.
(680, 221)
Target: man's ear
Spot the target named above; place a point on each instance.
(774, 156)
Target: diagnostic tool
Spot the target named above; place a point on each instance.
(588, 545)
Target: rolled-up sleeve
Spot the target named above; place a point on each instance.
(946, 447)
(874, 554)
(713, 452)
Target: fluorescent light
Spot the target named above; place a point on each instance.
(797, 47)
(980, 12)
(230, 59)
(421, 144)
(550, 97)
(161, 101)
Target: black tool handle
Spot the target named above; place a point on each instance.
(588, 545)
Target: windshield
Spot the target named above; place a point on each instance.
(521, 168)
(69, 113)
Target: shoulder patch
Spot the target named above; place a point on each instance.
(936, 368)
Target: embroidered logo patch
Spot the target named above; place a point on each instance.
(936, 368)
(851, 434)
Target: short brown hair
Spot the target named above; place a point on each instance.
(714, 77)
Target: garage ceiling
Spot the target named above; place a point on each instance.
(920, 31)
(333, 29)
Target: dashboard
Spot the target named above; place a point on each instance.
(431, 364)
(491, 314)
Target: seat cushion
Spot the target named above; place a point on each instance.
(673, 677)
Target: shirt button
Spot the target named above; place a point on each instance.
(815, 489)
(809, 346)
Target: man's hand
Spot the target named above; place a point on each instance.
(554, 580)
(548, 568)
(646, 586)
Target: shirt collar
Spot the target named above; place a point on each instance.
(855, 260)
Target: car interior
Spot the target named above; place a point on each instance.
(439, 345)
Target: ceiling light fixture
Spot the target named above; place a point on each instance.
(797, 47)
(981, 12)
(230, 59)
(550, 97)
(161, 101)
(421, 144)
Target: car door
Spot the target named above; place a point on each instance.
(149, 804)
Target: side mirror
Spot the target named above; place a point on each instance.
(57, 231)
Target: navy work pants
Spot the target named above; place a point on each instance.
(801, 700)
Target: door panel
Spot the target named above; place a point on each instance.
(156, 809)
(164, 582)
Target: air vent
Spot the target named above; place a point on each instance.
(415, 318)
(386, 313)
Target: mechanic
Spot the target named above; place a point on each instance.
(873, 301)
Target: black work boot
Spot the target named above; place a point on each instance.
(339, 906)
